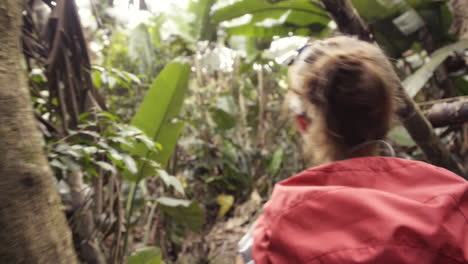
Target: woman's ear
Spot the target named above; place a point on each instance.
(302, 122)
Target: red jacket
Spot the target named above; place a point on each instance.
(366, 210)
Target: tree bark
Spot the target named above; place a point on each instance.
(33, 228)
(347, 19)
(410, 115)
(460, 18)
(423, 134)
(448, 113)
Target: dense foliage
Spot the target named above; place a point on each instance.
(194, 118)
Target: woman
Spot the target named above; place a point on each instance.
(354, 207)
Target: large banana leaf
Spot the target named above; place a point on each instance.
(279, 19)
(266, 32)
(202, 27)
(243, 7)
(157, 112)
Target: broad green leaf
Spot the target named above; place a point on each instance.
(160, 106)
(251, 30)
(223, 120)
(186, 213)
(303, 19)
(374, 10)
(280, 19)
(243, 7)
(170, 180)
(225, 203)
(416, 81)
(168, 138)
(270, 18)
(276, 161)
(148, 255)
(203, 27)
(269, 15)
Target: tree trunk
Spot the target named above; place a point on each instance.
(33, 228)
(460, 18)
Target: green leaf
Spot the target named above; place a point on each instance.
(160, 106)
(276, 161)
(168, 137)
(57, 164)
(148, 255)
(400, 136)
(151, 145)
(132, 77)
(107, 115)
(230, 151)
(225, 203)
(250, 30)
(223, 120)
(303, 19)
(37, 76)
(243, 7)
(97, 81)
(372, 10)
(414, 83)
(203, 28)
(90, 133)
(106, 166)
(186, 213)
(130, 164)
(170, 180)
(281, 19)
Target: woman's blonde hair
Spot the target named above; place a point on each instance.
(346, 89)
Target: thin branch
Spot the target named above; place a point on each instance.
(347, 19)
(444, 114)
(445, 100)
